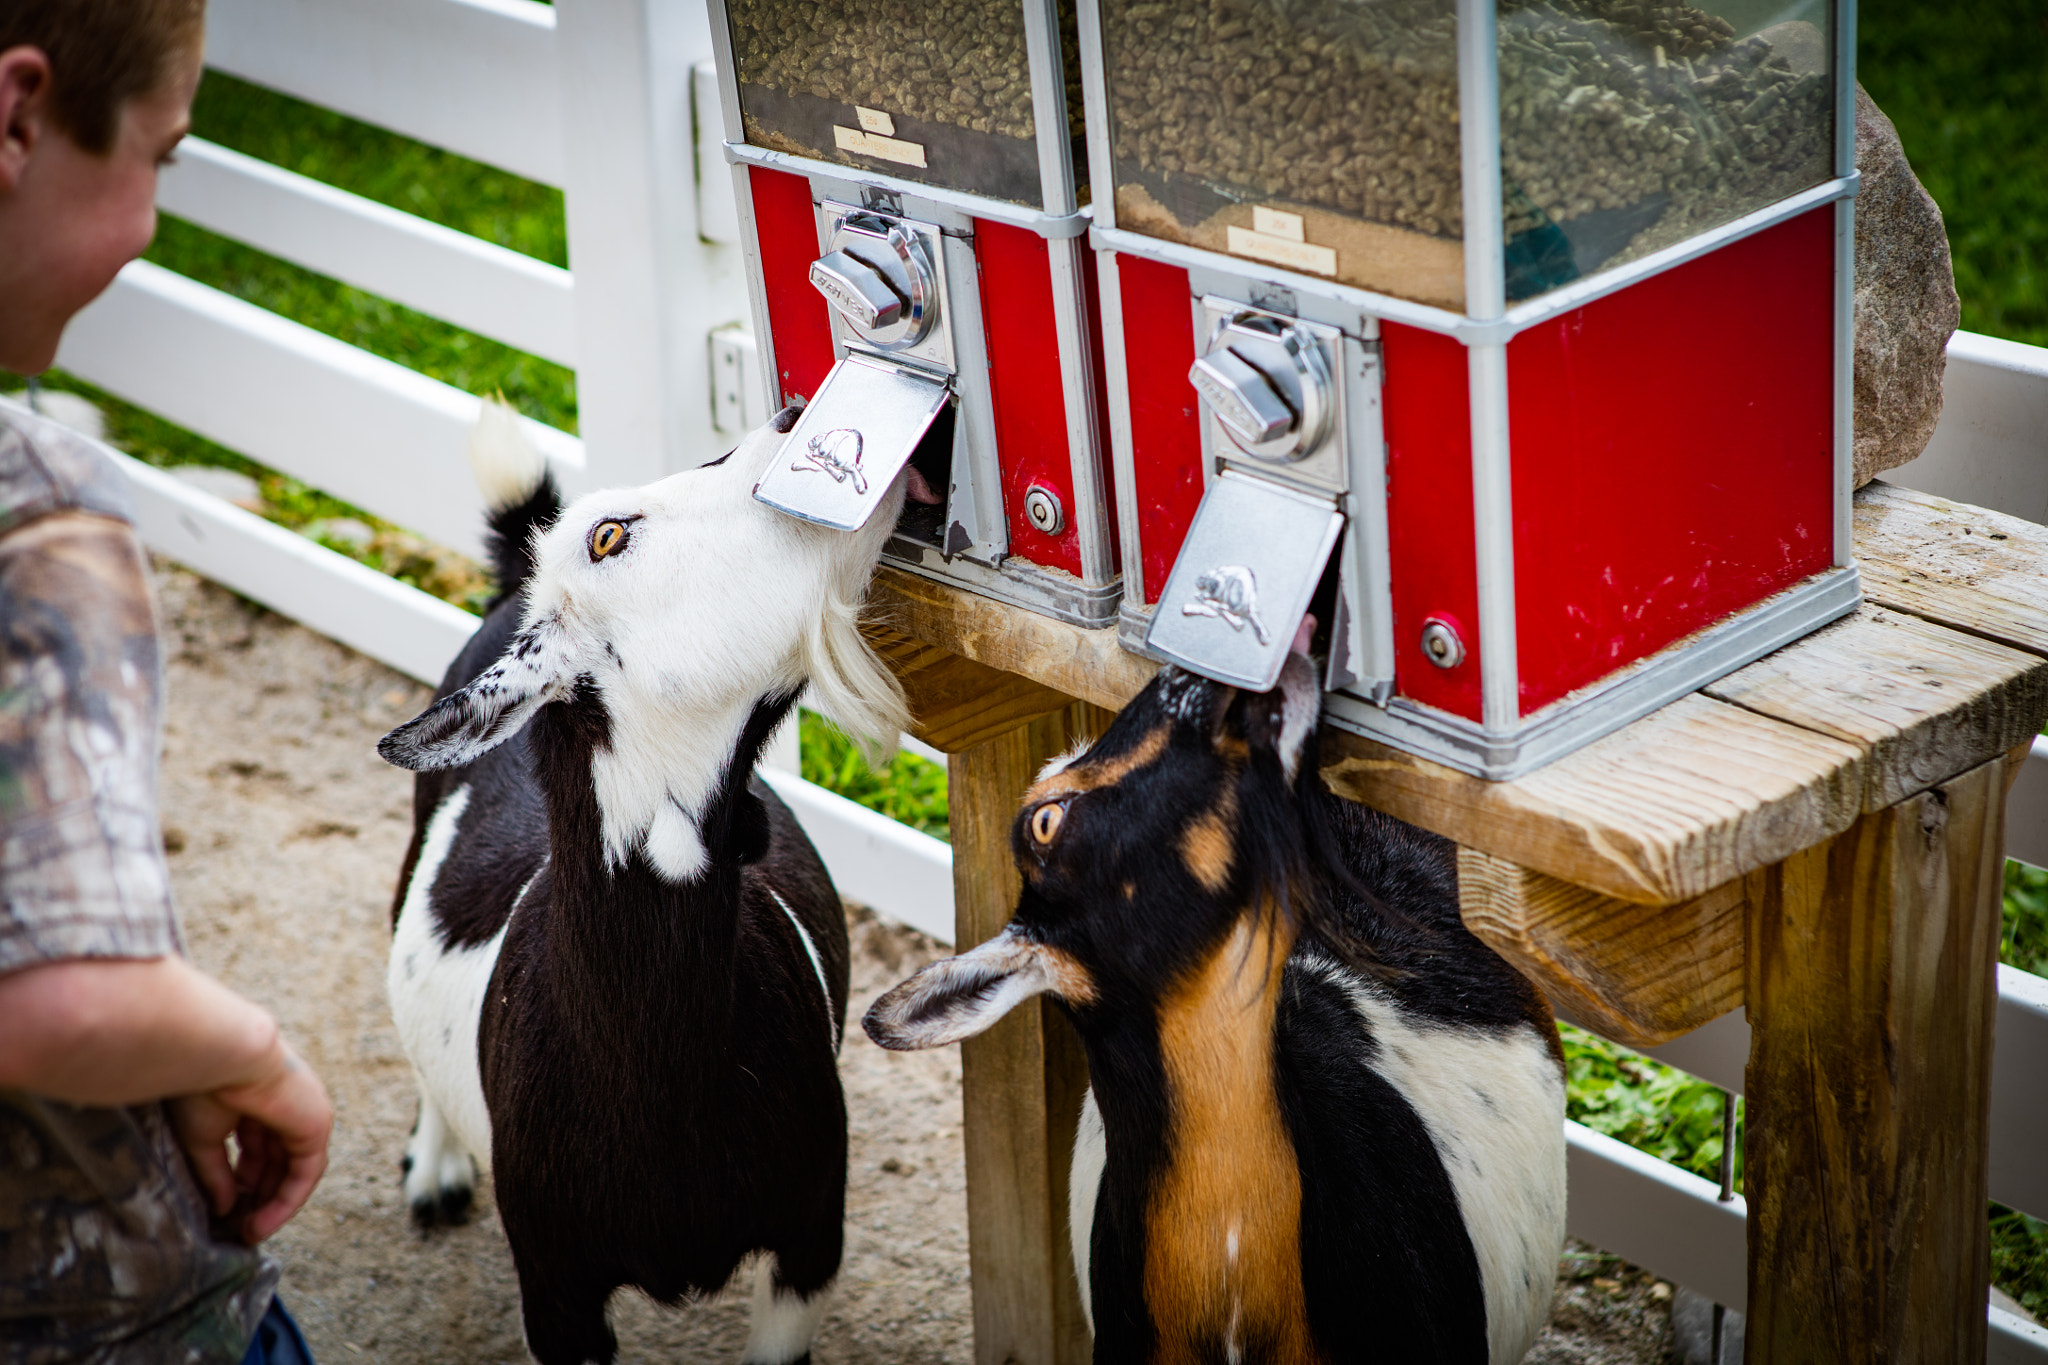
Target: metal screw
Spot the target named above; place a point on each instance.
(1441, 645)
(1042, 507)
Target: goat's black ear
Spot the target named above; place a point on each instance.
(959, 997)
(471, 721)
(785, 419)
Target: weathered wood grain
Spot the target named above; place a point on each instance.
(956, 703)
(1872, 975)
(1924, 701)
(1021, 1081)
(1682, 801)
(1641, 975)
(1963, 566)
(1088, 664)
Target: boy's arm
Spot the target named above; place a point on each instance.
(116, 1032)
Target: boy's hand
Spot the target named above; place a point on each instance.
(281, 1122)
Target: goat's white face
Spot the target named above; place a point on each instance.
(682, 604)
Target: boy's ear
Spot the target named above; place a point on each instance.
(24, 109)
(535, 669)
(959, 997)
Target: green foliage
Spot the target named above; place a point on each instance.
(2019, 1258)
(2023, 939)
(1966, 85)
(910, 789)
(1648, 1105)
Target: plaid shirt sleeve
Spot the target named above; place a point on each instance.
(81, 860)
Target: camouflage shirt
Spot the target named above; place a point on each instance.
(105, 1253)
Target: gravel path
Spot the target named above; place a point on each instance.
(286, 834)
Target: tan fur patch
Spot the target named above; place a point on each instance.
(1082, 777)
(1223, 1246)
(1205, 846)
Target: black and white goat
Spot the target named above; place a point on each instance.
(619, 968)
(1326, 1123)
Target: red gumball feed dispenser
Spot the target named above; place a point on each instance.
(1512, 339)
(916, 249)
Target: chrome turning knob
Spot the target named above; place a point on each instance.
(857, 290)
(878, 277)
(1042, 508)
(1440, 643)
(1268, 384)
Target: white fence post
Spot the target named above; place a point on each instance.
(649, 288)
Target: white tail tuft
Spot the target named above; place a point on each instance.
(506, 464)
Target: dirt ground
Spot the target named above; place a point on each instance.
(286, 831)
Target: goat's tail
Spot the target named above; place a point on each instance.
(520, 495)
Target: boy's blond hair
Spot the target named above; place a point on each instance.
(102, 54)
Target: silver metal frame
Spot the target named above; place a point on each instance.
(1845, 282)
(1575, 721)
(975, 503)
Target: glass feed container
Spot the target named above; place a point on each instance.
(908, 190)
(1537, 315)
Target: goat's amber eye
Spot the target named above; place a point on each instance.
(608, 537)
(1045, 821)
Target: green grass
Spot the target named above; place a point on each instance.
(909, 789)
(1652, 1107)
(1966, 84)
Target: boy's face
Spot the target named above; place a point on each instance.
(70, 219)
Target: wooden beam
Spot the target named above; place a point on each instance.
(1872, 980)
(1021, 1081)
(1684, 800)
(956, 703)
(1976, 570)
(1641, 975)
(1925, 701)
(1088, 664)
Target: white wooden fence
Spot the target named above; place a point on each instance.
(607, 99)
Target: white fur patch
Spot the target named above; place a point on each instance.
(437, 994)
(959, 997)
(1084, 1184)
(1494, 1105)
(817, 964)
(1301, 704)
(506, 465)
(1061, 762)
(782, 1324)
(438, 1164)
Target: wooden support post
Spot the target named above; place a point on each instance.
(1021, 1081)
(1872, 979)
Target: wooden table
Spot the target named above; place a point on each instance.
(1818, 836)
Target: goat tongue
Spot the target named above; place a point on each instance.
(1303, 633)
(916, 488)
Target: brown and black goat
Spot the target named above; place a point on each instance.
(1325, 1123)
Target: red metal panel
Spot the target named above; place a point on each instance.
(1427, 415)
(1024, 377)
(1166, 432)
(787, 227)
(1673, 454)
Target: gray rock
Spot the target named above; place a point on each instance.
(1906, 305)
(342, 530)
(66, 409)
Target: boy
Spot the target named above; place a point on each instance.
(123, 1070)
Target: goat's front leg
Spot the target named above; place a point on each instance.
(783, 1320)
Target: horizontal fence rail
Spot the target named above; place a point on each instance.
(498, 293)
(374, 433)
(478, 77)
(1991, 446)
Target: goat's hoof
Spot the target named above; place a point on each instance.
(439, 1190)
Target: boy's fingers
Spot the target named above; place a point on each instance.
(293, 1191)
(202, 1127)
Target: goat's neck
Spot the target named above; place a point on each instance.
(1223, 1217)
(647, 840)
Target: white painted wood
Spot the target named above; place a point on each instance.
(2015, 1341)
(1991, 447)
(718, 213)
(649, 289)
(504, 295)
(379, 435)
(1716, 1053)
(477, 77)
(891, 868)
(1655, 1215)
(2026, 809)
(390, 621)
(2019, 1093)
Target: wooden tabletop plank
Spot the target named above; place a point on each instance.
(1927, 702)
(1088, 664)
(1976, 570)
(1668, 808)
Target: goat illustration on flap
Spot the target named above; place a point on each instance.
(836, 452)
(1231, 594)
